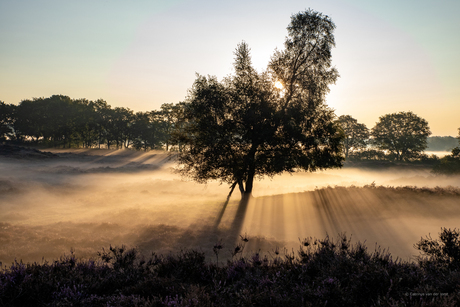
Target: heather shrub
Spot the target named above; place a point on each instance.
(323, 272)
(443, 253)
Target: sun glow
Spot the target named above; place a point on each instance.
(279, 85)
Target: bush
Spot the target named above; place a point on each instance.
(449, 165)
(322, 273)
(444, 252)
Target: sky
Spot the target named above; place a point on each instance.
(392, 55)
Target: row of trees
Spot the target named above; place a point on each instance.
(60, 121)
(402, 135)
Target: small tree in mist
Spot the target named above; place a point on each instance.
(450, 164)
(245, 127)
(404, 134)
(356, 134)
(456, 150)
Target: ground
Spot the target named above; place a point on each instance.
(55, 201)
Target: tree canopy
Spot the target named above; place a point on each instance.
(244, 127)
(6, 117)
(356, 134)
(61, 121)
(403, 134)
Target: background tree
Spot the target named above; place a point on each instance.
(244, 127)
(102, 120)
(403, 134)
(167, 118)
(456, 150)
(180, 126)
(85, 130)
(147, 130)
(30, 119)
(356, 134)
(6, 121)
(121, 121)
(449, 164)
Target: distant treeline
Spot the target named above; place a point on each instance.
(441, 143)
(59, 121)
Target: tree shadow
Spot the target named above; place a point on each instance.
(240, 215)
(215, 232)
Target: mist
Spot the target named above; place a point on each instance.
(85, 200)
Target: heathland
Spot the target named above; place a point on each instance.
(63, 209)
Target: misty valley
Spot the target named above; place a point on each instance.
(251, 191)
(86, 200)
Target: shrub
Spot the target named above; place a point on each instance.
(444, 252)
(324, 272)
(449, 165)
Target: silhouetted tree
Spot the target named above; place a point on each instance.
(244, 127)
(30, 119)
(121, 120)
(6, 121)
(102, 121)
(180, 126)
(171, 120)
(449, 164)
(356, 134)
(86, 129)
(108, 122)
(456, 150)
(403, 134)
(147, 131)
(60, 116)
(167, 117)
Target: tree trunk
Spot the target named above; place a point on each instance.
(251, 170)
(241, 187)
(346, 147)
(249, 182)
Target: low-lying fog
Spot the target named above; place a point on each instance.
(87, 200)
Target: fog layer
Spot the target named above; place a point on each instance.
(87, 200)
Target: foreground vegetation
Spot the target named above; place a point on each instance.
(322, 273)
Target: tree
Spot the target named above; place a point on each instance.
(6, 120)
(167, 121)
(59, 118)
(450, 164)
(121, 119)
(147, 131)
(356, 134)
(456, 150)
(244, 127)
(86, 123)
(102, 120)
(179, 127)
(30, 119)
(403, 134)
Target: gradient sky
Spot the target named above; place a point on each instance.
(392, 55)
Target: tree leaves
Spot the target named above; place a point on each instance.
(404, 134)
(243, 127)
